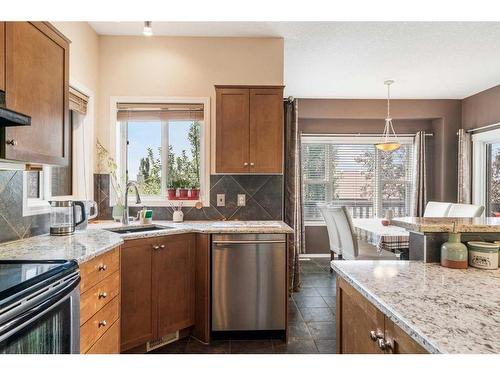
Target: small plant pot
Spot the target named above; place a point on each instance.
(195, 194)
(183, 193)
(172, 194)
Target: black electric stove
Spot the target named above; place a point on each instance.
(39, 306)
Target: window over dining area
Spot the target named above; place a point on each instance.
(351, 172)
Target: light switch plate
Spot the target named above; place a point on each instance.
(241, 200)
(221, 200)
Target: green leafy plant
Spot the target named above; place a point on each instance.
(107, 164)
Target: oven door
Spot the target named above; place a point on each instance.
(48, 322)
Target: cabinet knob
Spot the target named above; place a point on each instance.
(376, 334)
(162, 246)
(102, 323)
(11, 142)
(102, 267)
(156, 247)
(252, 164)
(102, 295)
(384, 344)
(245, 164)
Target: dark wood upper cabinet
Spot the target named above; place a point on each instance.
(37, 84)
(137, 323)
(249, 129)
(174, 282)
(2, 56)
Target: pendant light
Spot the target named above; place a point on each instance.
(389, 141)
(148, 29)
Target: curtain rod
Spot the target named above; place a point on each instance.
(358, 135)
(484, 128)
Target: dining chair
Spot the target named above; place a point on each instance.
(343, 239)
(333, 236)
(437, 209)
(465, 210)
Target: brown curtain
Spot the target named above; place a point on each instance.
(464, 167)
(293, 193)
(420, 188)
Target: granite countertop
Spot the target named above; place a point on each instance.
(445, 224)
(85, 245)
(445, 310)
(81, 246)
(199, 227)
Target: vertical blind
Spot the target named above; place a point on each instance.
(356, 175)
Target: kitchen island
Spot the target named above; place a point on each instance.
(442, 310)
(427, 234)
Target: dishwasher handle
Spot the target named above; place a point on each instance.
(245, 242)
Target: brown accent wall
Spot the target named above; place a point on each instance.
(442, 117)
(481, 109)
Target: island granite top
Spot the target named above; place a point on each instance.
(445, 310)
(445, 224)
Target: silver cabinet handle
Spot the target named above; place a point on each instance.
(374, 335)
(384, 344)
(245, 164)
(102, 295)
(156, 247)
(102, 323)
(162, 246)
(102, 267)
(252, 164)
(11, 142)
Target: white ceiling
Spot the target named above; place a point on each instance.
(448, 60)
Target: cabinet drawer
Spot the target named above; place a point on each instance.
(99, 268)
(109, 343)
(100, 323)
(99, 295)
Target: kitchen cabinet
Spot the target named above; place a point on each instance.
(36, 58)
(364, 329)
(100, 304)
(158, 288)
(249, 129)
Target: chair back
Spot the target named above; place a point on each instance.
(345, 230)
(333, 235)
(437, 209)
(465, 210)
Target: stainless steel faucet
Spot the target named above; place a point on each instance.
(126, 218)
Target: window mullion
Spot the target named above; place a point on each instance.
(164, 156)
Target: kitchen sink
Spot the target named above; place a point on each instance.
(128, 230)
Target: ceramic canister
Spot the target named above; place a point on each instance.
(454, 252)
(483, 255)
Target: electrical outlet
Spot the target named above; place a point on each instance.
(221, 200)
(241, 200)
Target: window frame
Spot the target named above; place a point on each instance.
(480, 143)
(371, 140)
(119, 149)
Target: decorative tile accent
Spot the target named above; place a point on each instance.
(264, 199)
(13, 226)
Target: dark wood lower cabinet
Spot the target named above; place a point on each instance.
(364, 329)
(158, 288)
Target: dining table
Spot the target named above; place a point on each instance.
(391, 237)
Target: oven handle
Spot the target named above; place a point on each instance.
(245, 242)
(17, 323)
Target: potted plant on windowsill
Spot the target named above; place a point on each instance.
(172, 190)
(195, 192)
(183, 190)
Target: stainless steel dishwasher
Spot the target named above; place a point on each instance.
(248, 282)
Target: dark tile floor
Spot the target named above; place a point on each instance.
(311, 321)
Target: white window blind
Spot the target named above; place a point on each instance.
(353, 173)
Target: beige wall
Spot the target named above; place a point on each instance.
(181, 67)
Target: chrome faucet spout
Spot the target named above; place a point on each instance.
(126, 218)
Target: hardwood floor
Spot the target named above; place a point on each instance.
(311, 321)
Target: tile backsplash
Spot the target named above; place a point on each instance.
(263, 193)
(13, 226)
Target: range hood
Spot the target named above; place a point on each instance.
(9, 117)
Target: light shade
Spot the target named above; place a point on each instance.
(388, 146)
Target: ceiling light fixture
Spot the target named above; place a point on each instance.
(148, 29)
(389, 141)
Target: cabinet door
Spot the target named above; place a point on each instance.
(356, 319)
(399, 342)
(36, 84)
(174, 282)
(137, 323)
(2, 56)
(266, 130)
(232, 135)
